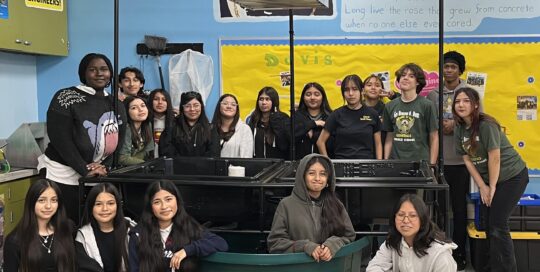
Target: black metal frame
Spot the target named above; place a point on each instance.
(426, 182)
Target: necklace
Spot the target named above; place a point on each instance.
(45, 238)
(44, 243)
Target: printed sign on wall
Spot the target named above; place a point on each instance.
(56, 5)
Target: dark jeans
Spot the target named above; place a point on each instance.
(458, 179)
(501, 247)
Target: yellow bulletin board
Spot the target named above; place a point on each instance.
(504, 67)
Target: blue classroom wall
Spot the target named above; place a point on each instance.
(18, 92)
(90, 26)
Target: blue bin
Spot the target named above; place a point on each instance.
(525, 217)
(348, 258)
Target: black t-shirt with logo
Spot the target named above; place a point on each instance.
(353, 131)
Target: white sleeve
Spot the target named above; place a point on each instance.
(444, 263)
(382, 260)
(246, 148)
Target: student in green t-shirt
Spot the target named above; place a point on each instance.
(497, 169)
(411, 120)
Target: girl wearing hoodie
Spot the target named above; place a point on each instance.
(311, 219)
(414, 242)
(270, 126)
(101, 243)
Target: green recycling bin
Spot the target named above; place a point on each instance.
(348, 258)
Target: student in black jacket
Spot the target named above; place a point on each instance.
(310, 118)
(270, 126)
(167, 238)
(190, 134)
(43, 238)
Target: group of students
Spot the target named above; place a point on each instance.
(165, 239)
(85, 130)
(314, 221)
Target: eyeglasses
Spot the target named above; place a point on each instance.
(232, 104)
(412, 217)
(191, 106)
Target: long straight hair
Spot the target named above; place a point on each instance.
(202, 126)
(476, 116)
(146, 125)
(428, 232)
(169, 113)
(119, 222)
(332, 208)
(217, 120)
(27, 232)
(257, 113)
(184, 229)
(325, 106)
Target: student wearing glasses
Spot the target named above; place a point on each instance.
(235, 139)
(190, 134)
(414, 242)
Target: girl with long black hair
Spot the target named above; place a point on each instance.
(270, 126)
(310, 118)
(235, 139)
(138, 145)
(42, 240)
(497, 169)
(167, 237)
(414, 242)
(161, 113)
(311, 219)
(190, 134)
(101, 242)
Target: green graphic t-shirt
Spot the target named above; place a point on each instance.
(489, 137)
(411, 124)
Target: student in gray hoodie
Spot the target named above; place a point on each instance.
(311, 219)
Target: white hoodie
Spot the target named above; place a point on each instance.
(438, 259)
(240, 145)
